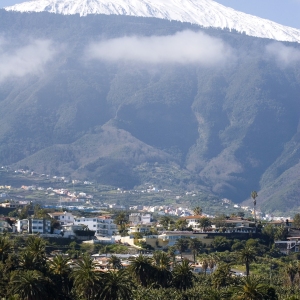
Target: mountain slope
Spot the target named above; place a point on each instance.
(206, 13)
(226, 124)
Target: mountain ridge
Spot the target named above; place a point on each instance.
(206, 13)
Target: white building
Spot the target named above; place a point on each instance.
(138, 218)
(34, 226)
(103, 225)
(64, 218)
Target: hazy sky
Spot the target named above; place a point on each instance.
(286, 12)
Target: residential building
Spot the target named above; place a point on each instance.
(34, 226)
(64, 218)
(290, 246)
(5, 227)
(193, 221)
(103, 225)
(139, 218)
(80, 232)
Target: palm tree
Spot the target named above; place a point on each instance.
(162, 264)
(142, 270)
(254, 195)
(291, 271)
(37, 247)
(247, 255)
(115, 262)
(117, 285)
(251, 288)
(59, 267)
(197, 211)
(30, 285)
(204, 263)
(212, 260)
(183, 275)
(181, 245)
(181, 224)
(27, 260)
(165, 221)
(196, 246)
(5, 247)
(121, 220)
(172, 253)
(222, 275)
(86, 280)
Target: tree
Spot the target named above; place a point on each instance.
(296, 223)
(204, 223)
(196, 246)
(291, 271)
(251, 288)
(172, 252)
(166, 221)
(181, 224)
(220, 221)
(221, 277)
(5, 247)
(247, 255)
(181, 245)
(220, 243)
(183, 275)
(86, 280)
(197, 211)
(115, 262)
(117, 285)
(204, 263)
(162, 264)
(254, 195)
(142, 270)
(59, 268)
(121, 220)
(36, 248)
(30, 285)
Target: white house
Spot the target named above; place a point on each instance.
(139, 218)
(34, 226)
(64, 218)
(103, 225)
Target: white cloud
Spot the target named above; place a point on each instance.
(184, 47)
(284, 55)
(24, 60)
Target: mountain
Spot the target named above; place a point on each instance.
(127, 101)
(206, 13)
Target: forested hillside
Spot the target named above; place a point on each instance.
(204, 108)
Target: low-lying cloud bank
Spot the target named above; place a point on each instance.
(24, 60)
(285, 56)
(186, 47)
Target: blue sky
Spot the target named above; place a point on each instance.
(286, 12)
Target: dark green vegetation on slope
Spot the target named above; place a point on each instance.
(228, 129)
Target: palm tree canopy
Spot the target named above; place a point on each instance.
(141, 268)
(251, 288)
(117, 285)
(59, 265)
(30, 285)
(183, 275)
(115, 262)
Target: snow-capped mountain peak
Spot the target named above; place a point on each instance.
(206, 13)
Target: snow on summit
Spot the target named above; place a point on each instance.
(206, 13)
